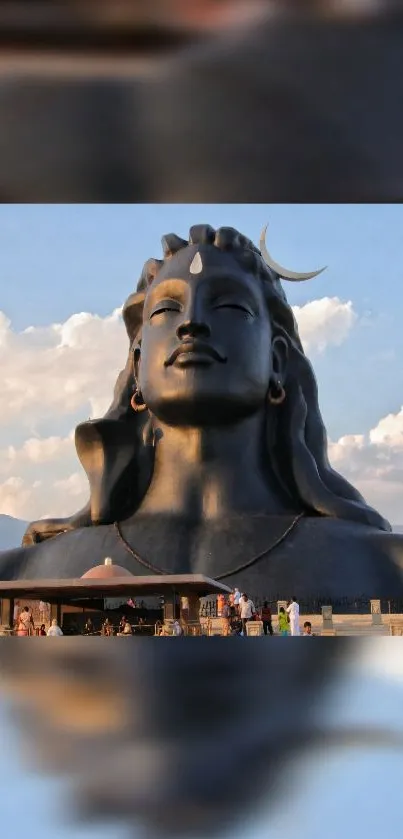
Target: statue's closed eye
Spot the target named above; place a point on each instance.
(237, 306)
(165, 306)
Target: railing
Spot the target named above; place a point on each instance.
(313, 606)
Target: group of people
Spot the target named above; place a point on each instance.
(24, 625)
(237, 610)
(289, 623)
(108, 629)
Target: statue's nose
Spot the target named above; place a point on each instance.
(193, 329)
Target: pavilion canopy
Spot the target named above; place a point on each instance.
(91, 588)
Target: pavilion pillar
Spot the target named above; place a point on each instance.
(7, 612)
(170, 610)
(376, 612)
(190, 608)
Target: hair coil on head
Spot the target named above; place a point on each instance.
(171, 244)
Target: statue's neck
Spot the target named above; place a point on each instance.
(207, 473)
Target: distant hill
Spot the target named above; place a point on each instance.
(11, 532)
(398, 528)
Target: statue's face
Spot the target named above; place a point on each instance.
(206, 340)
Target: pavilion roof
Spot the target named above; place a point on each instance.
(79, 588)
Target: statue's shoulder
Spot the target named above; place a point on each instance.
(350, 533)
(346, 540)
(66, 555)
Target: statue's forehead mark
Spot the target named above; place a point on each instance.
(196, 266)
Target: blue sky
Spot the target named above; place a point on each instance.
(58, 261)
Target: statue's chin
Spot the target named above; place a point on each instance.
(202, 411)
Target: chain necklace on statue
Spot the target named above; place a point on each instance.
(255, 559)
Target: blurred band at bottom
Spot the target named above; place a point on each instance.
(214, 100)
(199, 739)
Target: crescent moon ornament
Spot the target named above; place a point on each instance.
(283, 273)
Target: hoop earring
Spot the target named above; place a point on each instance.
(135, 403)
(279, 398)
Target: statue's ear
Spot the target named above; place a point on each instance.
(136, 361)
(280, 357)
(133, 314)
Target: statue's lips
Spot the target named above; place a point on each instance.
(194, 352)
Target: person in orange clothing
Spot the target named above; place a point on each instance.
(220, 605)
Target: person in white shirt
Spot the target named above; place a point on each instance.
(54, 629)
(293, 611)
(247, 610)
(237, 598)
(177, 628)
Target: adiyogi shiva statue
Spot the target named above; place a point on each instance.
(213, 457)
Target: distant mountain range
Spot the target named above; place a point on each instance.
(12, 531)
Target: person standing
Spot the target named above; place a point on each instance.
(220, 605)
(226, 617)
(266, 619)
(293, 611)
(247, 611)
(25, 622)
(283, 622)
(185, 609)
(237, 600)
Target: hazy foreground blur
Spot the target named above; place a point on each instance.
(209, 738)
(201, 100)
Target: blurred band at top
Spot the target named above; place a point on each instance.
(201, 100)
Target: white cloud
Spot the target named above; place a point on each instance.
(60, 369)
(37, 450)
(389, 431)
(75, 486)
(374, 464)
(31, 500)
(325, 322)
(15, 497)
(41, 479)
